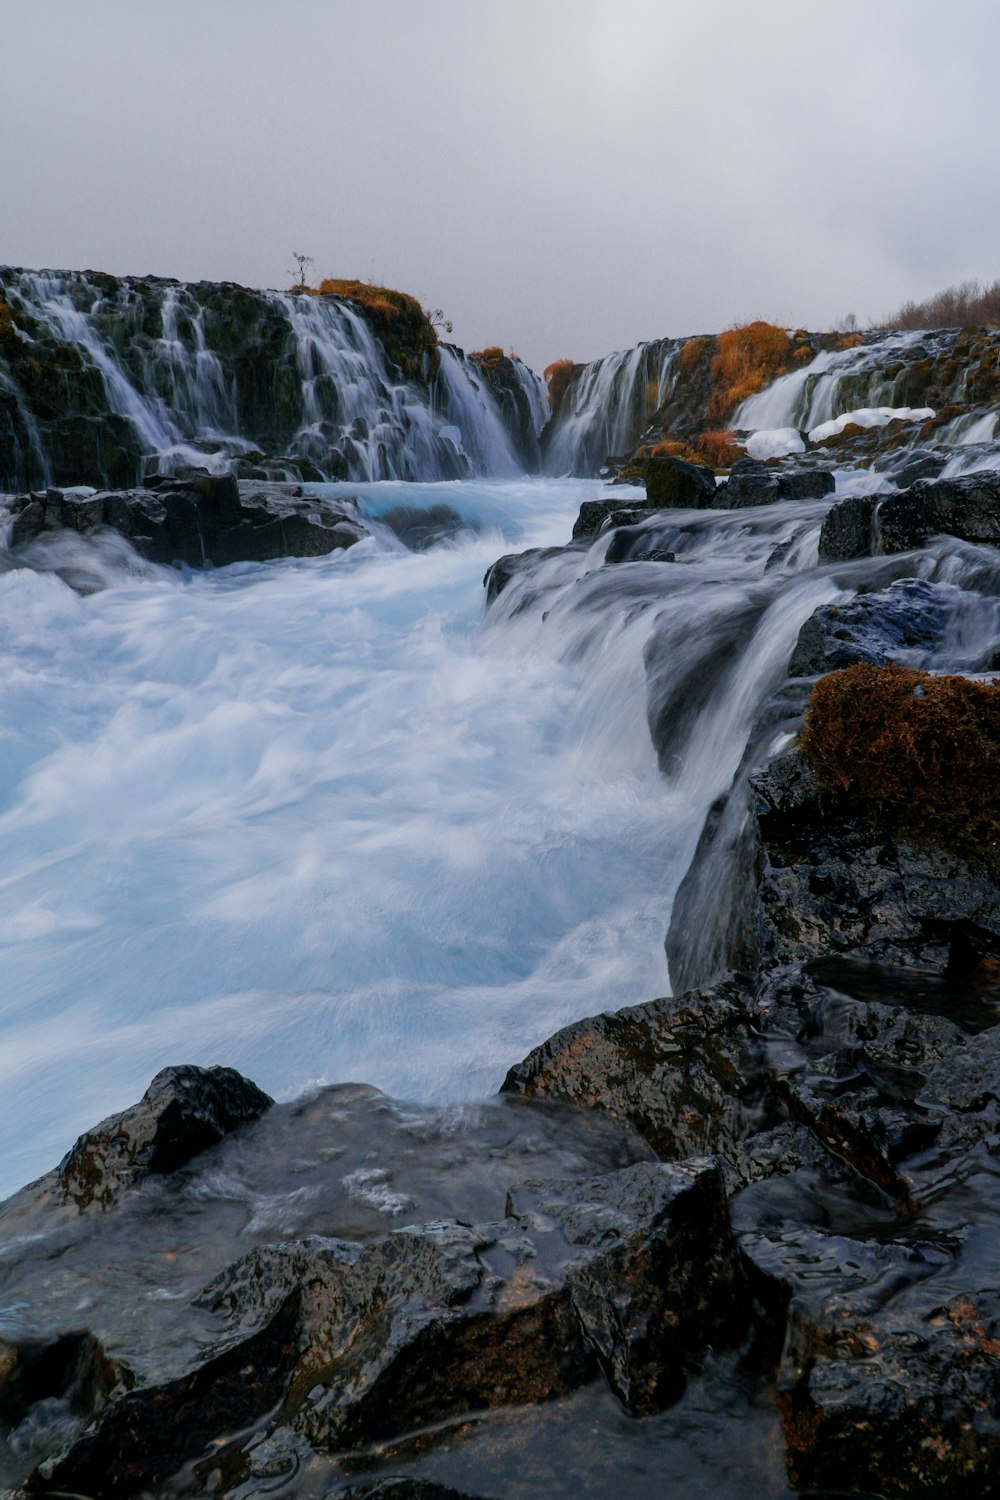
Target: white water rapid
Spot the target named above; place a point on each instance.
(326, 819)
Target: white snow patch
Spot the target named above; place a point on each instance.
(870, 416)
(774, 442)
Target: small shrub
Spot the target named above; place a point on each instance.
(557, 377)
(491, 355)
(750, 356)
(970, 304)
(920, 753)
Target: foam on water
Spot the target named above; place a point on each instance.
(310, 820)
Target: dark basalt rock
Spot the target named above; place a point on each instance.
(402, 1489)
(635, 544)
(910, 615)
(751, 482)
(867, 525)
(420, 529)
(666, 1280)
(686, 1074)
(674, 483)
(497, 577)
(833, 882)
(184, 1110)
(598, 515)
(199, 519)
(144, 1435)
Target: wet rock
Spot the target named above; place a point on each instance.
(906, 467)
(847, 532)
(751, 483)
(143, 1436)
(184, 1110)
(906, 1410)
(831, 881)
(665, 1280)
(673, 483)
(497, 577)
(869, 525)
(911, 615)
(403, 1489)
(419, 528)
(598, 515)
(197, 520)
(686, 1074)
(635, 544)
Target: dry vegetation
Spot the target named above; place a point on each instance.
(404, 327)
(557, 377)
(714, 449)
(968, 305)
(750, 356)
(919, 752)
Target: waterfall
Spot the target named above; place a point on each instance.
(166, 374)
(608, 406)
(830, 386)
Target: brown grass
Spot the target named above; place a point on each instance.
(491, 355)
(557, 377)
(714, 449)
(691, 355)
(919, 752)
(403, 326)
(750, 356)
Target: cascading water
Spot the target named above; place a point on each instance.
(319, 820)
(203, 374)
(608, 405)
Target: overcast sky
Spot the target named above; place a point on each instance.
(562, 177)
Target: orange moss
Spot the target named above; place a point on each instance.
(802, 352)
(491, 355)
(714, 449)
(691, 355)
(917, 751)
(557, 377)
(750, 356)
(849, 341)
(401, 323)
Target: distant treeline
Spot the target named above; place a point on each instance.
(971, 303)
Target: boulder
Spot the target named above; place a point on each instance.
(197, 520)
(686, 1074)
(910, 615)
(184, 1110)
(869, 525)
(751, 482)
(832, 881)
(674, 483)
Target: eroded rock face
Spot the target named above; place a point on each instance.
(203, 519)
(866, 525)
(832, 881)
(753, 483)
(685, 1074)
(184, 1110)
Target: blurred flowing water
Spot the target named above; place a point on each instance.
(312, 820)
(328, 820)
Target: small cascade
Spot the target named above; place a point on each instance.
(608, 405)
(833, 383)
(148, 376)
